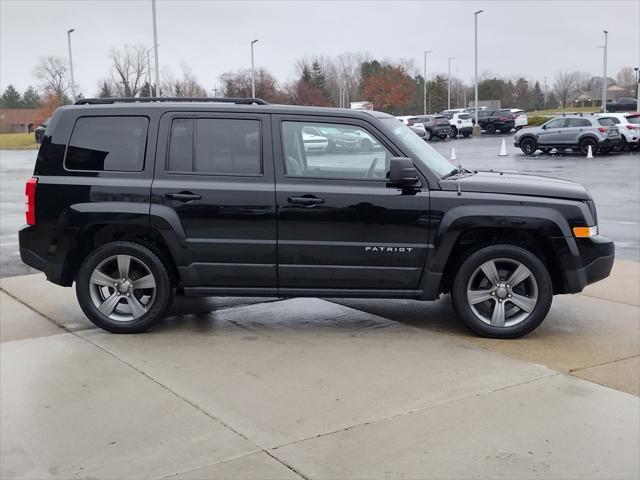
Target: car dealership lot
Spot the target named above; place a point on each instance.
(315, 388)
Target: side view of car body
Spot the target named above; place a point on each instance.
(520, 118)
(580, 133)
(461, 123)
(492, 121)
(622, 105)
(135, 200)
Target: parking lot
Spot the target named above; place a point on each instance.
(326, 388)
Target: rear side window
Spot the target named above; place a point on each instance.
(635, 120)
(579, 122)
(215, 146)
(464, 116)
(108, 144)
(606, 122)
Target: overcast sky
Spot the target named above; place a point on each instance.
(516, 37)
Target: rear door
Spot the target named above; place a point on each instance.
(214, 177)
(340, 226)
(573, 130)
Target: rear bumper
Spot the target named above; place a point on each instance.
(609, 142)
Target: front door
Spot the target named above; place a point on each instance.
(552, 134)
(215, 175)
(340, 226)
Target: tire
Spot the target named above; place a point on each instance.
(623, 144)
(491, 128)
(528, 145)
(428, 135)
(584, 146)
(121, 307)
(454, 132)
(534, 291)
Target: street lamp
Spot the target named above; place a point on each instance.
(637, 70)
(476, 127)
(449, 84)
(253, 73)
(149, 72)
(424, 93)
(155, 47)
(73, 86)
(604, 74)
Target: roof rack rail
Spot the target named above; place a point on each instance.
(106, 101)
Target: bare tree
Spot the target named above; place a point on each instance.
(52, 73)
(238, 84)
(185, 86)
(129, 69)
(564, 86)
(626, 77)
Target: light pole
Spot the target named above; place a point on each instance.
(637, 70)
(253, 72)
(476, 127)
(155, 47)
(149, 72)
(73, 86)
(424, 93)
(604, 74)
(449, 84)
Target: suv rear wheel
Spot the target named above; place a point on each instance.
(428, 134)
(502, 291)
(123, 287)
(585, 143)
(491, 128)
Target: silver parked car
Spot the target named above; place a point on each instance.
(575, 132)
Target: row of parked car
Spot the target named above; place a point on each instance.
(600, 133)
(460, 121)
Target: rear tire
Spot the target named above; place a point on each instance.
(513, 302)
(491, 128)
(584, 146)
(123, 287)
(428, 135)
(454, 132)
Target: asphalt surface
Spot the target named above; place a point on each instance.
(614, 181)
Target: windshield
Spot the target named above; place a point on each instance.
(421, 151)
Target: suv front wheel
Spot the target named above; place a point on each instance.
(502, 291)
(528, 145)
(123, 287)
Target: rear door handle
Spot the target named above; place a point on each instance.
(306, 201)
(183, 196)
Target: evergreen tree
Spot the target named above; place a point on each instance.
(31, 98)
(105, 90)
(306, 75)
(317, 75)
(145, 90)
(538, 97)
(11, 98)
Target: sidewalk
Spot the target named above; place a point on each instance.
(309, 388)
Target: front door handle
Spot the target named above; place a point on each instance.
(183, 196)
(309, 201)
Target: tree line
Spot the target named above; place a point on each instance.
(396, 87)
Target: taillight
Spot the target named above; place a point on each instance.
(633, 127)
(602, 129)
(30, 201)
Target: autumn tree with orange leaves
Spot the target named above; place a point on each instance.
(389, 88)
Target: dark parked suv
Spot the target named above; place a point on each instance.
(492, 121)
(136, 200)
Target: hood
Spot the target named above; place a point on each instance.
(517, 184)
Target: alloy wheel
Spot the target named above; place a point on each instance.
(122, 288)
(502, 292)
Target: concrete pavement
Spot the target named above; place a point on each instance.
(310, 388)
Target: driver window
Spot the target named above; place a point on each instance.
(556, 123)
(332, 150)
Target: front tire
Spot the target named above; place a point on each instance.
(123, 287)
(491, 128)
(502, 291)
(528, 145)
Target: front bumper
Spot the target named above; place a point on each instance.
(595, 260)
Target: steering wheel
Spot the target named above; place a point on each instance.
(372, 168)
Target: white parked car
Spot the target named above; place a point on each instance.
(461, 122)
(313, 142)
(629, 126)
(520, 117)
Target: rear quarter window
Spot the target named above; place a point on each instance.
(108, 144)
(635, 120)
(606, 122)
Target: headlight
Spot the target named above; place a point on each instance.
(585, 232)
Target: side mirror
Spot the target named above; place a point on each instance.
(402, 172)
(544, 127)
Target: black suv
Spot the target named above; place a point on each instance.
(136, 200)
(492, 121)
